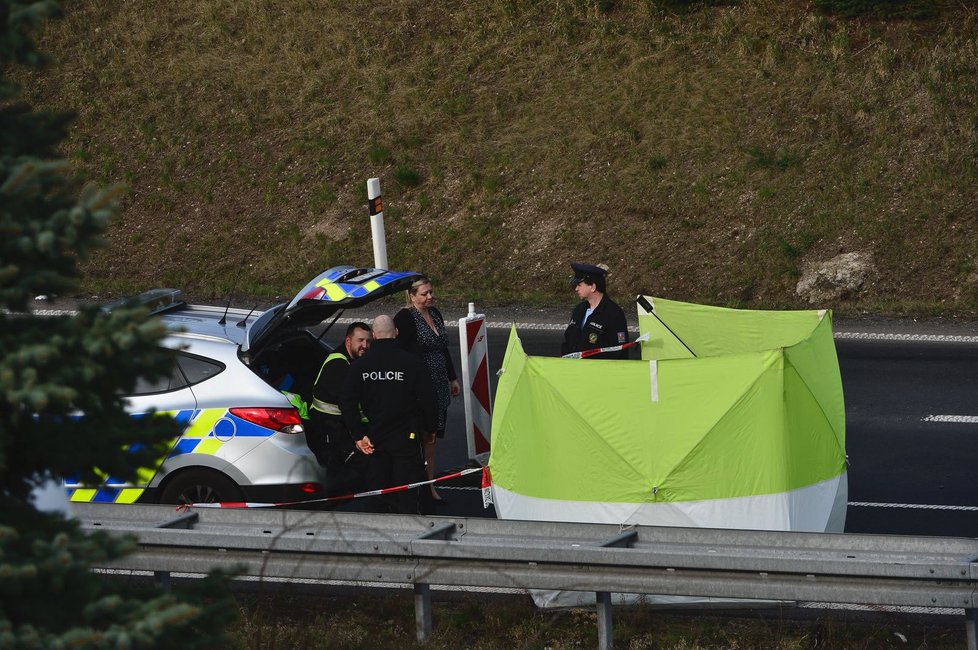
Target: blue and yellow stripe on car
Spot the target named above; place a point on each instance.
(331, 288)
(105, 494)
(199, 437)
(208, 430)
(337, 291)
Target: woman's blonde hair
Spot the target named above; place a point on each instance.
(413, 289)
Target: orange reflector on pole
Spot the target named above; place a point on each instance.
(375, 207)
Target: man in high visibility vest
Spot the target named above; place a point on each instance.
(327, 436)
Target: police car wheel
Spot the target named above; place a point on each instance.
(200, 486)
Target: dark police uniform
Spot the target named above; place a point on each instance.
(605, 327)
(393, 389)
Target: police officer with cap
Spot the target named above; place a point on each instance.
(597, 321)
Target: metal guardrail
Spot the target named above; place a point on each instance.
(599, 558)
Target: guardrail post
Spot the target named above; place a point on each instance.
(163, 580)
(185, 521)
(422, 592)
(606, 639)
(971, 624)
(422, 612)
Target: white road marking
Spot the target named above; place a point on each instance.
(839, 336)
(559, 327)
(967, 419)
(913, 506)
(54, 312)
(554, 327)
(916, 338)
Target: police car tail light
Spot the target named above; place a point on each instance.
(283, 420)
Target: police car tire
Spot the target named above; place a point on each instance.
(200, 486)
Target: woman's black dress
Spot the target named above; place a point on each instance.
(415, 335)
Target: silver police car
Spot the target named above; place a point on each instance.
(242, 439)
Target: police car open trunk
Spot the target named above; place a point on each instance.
(733, 419)
(278, 344)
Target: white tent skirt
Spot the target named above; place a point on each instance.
(815, 508)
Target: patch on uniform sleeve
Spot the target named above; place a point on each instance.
(623, 337)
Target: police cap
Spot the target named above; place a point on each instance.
(586, 273)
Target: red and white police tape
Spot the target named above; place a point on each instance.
(611, 348)
(486, 493)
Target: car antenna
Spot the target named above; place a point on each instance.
(244, 321)
(331, 323)
(224, 318)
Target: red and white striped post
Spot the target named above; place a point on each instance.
(476, 389)
(376, 208)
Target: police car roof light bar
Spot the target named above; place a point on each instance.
(155, 300)
(359, 275)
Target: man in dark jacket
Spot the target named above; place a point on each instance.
(327, 436)
(597, 321)
(393, 390)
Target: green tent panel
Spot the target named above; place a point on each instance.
(679, 328)
(725, 403)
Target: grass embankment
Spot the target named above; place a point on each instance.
(706, 156)
(388, 622)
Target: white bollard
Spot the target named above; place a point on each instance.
(376, 209)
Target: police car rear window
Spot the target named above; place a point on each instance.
(174, 381)
(187, 371)
(198, 369)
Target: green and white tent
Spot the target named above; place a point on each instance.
(732, 419)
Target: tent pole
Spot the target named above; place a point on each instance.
(647, 306)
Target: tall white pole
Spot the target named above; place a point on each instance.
(376, 208)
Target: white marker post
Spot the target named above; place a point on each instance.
(476, 389)
(376, 209)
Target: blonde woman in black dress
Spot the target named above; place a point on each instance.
(421, 329)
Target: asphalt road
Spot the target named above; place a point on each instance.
(911, 393)
(911, 420)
